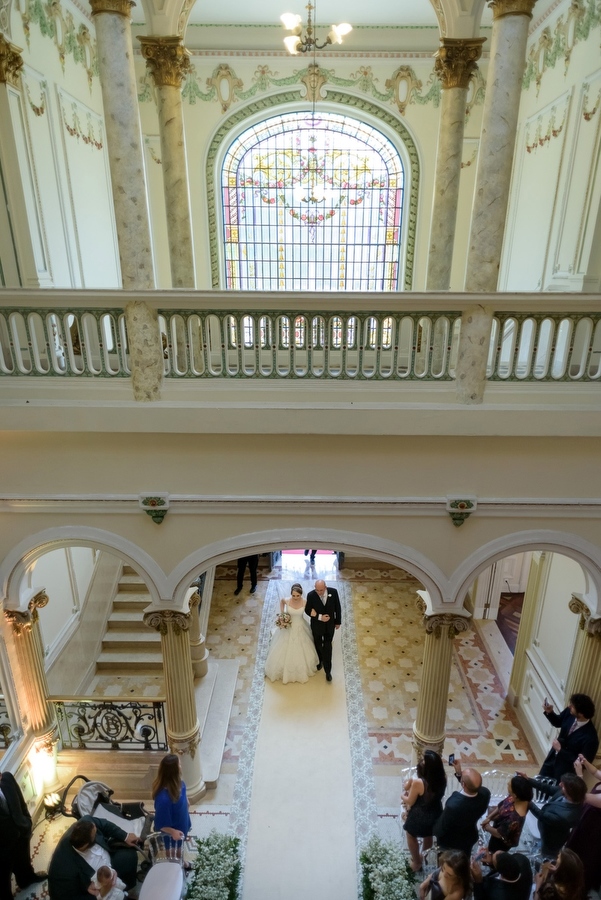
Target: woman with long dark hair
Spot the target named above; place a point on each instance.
(452, 881)
(422, 800)
(171, 813)
(505, 822)
(562, 879)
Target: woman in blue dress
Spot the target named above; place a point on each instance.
(171, 813)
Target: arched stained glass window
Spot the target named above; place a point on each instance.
(312, 202)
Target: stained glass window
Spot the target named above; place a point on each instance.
(312, 202)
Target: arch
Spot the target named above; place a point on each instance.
(579, 549)
(15, 564)
(459, 18)
(398, 555)
(380, 118)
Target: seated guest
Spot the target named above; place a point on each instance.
(577, 735)
(456, 829)
(561, 880)
(560, 813)
(505, 822)
(451, 881)
(82, 850)
(585, 839)
(510, 877)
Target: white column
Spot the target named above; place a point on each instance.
(183, 729)
(130, 199)
(497, 143)
(455, 64)
(168, 62)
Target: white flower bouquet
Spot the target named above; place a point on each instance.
(283, 620)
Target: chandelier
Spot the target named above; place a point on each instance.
(296, 44)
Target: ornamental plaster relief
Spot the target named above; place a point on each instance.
(556, 42)
(70, 38)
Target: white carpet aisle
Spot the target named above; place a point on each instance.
(301, 831)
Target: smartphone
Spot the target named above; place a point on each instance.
(451, 759)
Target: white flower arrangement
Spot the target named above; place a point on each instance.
(217, 868)
(387, 873)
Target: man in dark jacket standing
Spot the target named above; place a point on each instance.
(457, 827)
(323, 609)
(560, 813)
(15, 835)
(577, 734)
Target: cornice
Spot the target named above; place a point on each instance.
(571, 508)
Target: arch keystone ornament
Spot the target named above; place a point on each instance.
(155, 505)
(461, 508)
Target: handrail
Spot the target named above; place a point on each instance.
(92, 723)
(339, 338)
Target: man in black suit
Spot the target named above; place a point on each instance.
(560, 813)
(510, 877)
(87, 845)
(323, 608)
(253, 563)
(15, 835)
(577, 734)
(456, 828)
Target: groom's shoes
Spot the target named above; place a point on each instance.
(318, 666)
(237, 591)
(328, 677)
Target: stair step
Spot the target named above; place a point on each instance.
(124, 641)
(129, 620)
(131, 601)
(132, 584)
(120, 661)
(129, 570)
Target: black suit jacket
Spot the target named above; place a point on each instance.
(492, 888)
(456, 828)
(583, 740)
(17, 821)
(555, 819)
(331, 608)
(69, 875)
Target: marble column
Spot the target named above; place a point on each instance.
(168, 62)
(429, 726)
(32, 688)
(584, 676)
(183, 730)
(497, 143)
(455, 64)
(472, 358)
(198, 650)
(130, 199)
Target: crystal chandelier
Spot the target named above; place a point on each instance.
(296, 43)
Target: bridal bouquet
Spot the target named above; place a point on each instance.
(283, 620)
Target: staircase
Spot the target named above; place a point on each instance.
(129, 646)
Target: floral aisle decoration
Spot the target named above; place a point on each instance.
(387, 873)
(216, 869)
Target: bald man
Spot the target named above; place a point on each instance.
(323, 609)
(457, 827)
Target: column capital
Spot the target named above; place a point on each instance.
(19, 621)
(11, 62)
(434, 624)
(119, 7)
(38, 601)
(587, 623)
(502, 8)
(455, 60)
(161, 619)
(195, 600)
(167, 59)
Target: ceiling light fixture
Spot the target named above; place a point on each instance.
(296, 44)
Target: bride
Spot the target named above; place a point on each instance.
(292, 655)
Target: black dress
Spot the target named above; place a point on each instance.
(423, 814)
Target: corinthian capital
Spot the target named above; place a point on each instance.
(118, 7)
(19, 621)
(454, 624)
(502, 8)
(162, 619)
(456, 60)
(587, 623)
(11, 62)
(167, 60)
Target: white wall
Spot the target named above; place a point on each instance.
(66, 574)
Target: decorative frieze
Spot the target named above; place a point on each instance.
(11, 62)
(456, 61)
(69, 38)
(167, 59)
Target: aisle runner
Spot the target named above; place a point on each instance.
(313, 799)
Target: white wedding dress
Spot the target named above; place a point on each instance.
(292, 655)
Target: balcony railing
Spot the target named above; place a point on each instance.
(396, 344)
(111, 724)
